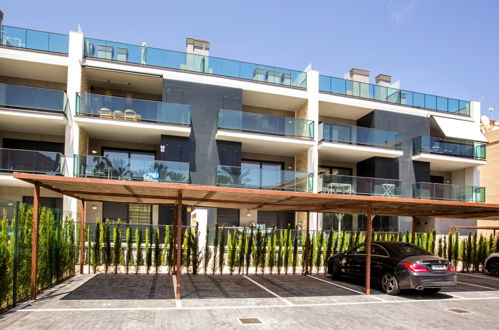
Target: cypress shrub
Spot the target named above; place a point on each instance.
(329, 244)
(89, 248)
(97, 246)
(318, 257)
(335, 242)
(455, 249)
(271, 243)
(207, 251)
(195, 249)
(249, 249)
(157, 250)
(117, 254)
(215, 249)
(303, 250)
(312, 252)
(257, 249)
(186, 249)
(148, 250)
(280, 251)
(295, 250)
(5, 260)
(241, 245)
(449, 247)
(287, 253)
(342, 242)
(171, 252)
(128, 256)
(166, 242)
(139, 257)
(233, 251)
(263, 252)
(221, 250)
(476, 261)
(107, 246)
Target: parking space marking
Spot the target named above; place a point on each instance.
(344, 287)
(478, 286)
(479, 276)
(178, 302)
(408, 301)
(269, 291)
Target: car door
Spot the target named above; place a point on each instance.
(356, 260)
(379, 256)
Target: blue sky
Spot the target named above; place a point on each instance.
(443, 47)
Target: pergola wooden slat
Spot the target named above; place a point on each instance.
(168, 193)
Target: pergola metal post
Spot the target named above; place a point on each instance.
(34, 240)
(368, 249)
(179, 244)
(82, 234)
(413, 236)
(307, 245)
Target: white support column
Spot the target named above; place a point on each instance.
(313, 152)
(75, 58)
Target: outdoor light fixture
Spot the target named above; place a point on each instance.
(248, 213)
(189, 209)
(94, 151)
(94, 207)
(10, 204)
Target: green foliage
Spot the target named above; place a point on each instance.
(287, 249)
(249, 249)
(215, 249)
(318, 249)
(241, 248)
(157, 250)
(280, 250)
(107, 246)
(5, 260)
(139, 257)
(171, 252)
(97, 246)
(221, 250)
(166, 242)
(329, 245)
(294, 261)
(194, 246)
(117, 253)
(207, 251)
(129, 250)
(148, 251)
(271, 247)
(231, 251)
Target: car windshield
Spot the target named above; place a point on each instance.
(411, 250)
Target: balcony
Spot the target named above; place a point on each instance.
(281, 135)
(143, 55)
(253, 178)
(448, 192)
(393, 95)
(143, 120)
(114, 168)
(32, 39)
(31, 98)
(354, 143)
(30, 161)
(356, 185)
(447, 155)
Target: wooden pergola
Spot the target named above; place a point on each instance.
(180, 194)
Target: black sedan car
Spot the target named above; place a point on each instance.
(396, 266)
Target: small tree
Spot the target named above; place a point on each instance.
(148, 251)
(207, 251)
(97, 246)
(157, 250)
(129, 249)
(295, 250)
(117, 254)
(329, 245)
(249, 249)
(107, 246)
(139, 258)
(241, 246)
(287, 249)
(164, 255)
(171, 253)
(195, 249)
(271, 247)
(221, 250)
(215, 249)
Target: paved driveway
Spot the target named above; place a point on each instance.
(225, 301)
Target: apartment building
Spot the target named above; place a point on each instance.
(77, 106)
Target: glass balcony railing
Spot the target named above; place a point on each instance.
(31, 98)
(31, 39)
(134, 169)
(360, 135)
(31, 161)
(393, 95)
(258, 123)
(255, 178)
(356, 185)
(112, 107)
(436, 145)
(448, 192)
(144, 55)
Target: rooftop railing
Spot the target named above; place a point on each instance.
(254, 178)
(32, 161)
(393, 95)
(115, 168)
(448, 192)
(112, 107)
(356, 185)
(32, 39)
(360, 136)
(442, 146)
(31, 98)
(144, 55)
(259, 123)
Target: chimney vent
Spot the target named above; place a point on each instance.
(197, 46)
(384, 80)
(359, 75)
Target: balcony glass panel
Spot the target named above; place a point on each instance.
(115, 168)
(31, 39)
(435, 145)
(360, 135)
(393, 95)
(115, 51)
(255, 122)
(448, 192)
(14, 96)
(29, 161)
(356, 185)
(112, 107)
(257, 178)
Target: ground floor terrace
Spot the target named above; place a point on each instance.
(238, 301)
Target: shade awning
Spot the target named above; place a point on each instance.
(459, 129)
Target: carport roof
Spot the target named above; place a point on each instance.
(91, 189)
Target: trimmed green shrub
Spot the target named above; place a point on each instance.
(117, 253)
(207, 252)
(249, 249)
(221, 250)
(241, 247)
(139, 257)
(157, 250)
(215, 249)
(128, 256)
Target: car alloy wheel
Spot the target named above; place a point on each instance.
(494, 268)
(389, 284)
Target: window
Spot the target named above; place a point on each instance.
(379, 251)
(332, 220)
(262, 174)
(335, 170)
(135, 214)
(380, 223)
(358, 250)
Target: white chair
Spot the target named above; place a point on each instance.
(130, 114)
(105, 113)
(118, 114)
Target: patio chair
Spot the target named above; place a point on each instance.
(105, 113)
(130, 114)
(118, 114)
